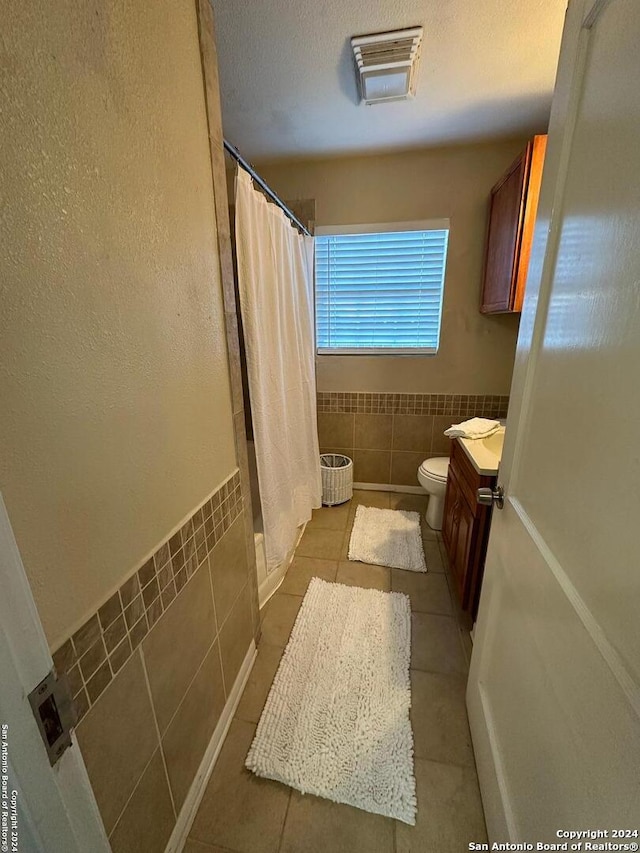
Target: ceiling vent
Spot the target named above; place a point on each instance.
(387, 64)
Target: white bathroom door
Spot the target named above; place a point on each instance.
(43, 809)
(554, 689)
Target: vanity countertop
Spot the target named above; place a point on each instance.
(484, 453)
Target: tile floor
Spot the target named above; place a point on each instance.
(244, 814)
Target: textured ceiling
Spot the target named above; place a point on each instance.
(289, 87)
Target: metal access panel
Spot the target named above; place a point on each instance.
(55, 715)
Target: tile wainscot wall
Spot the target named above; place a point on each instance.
(389, 435)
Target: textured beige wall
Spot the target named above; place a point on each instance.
(115, 414)
(476, 352)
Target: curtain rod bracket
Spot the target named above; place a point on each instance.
(237, 156)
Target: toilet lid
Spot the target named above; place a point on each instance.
(437, 467)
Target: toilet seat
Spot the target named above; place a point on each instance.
(436, 468)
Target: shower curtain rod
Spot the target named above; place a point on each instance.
(237, 156)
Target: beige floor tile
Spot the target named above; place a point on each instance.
(316, 825)
(193, 846)
(463, 620)
(467, 644)
(432, 555)
(410, 503)
(439, 717)
(302, 569)
(240, 811)
(449, 811)
(344, 550)
(435, 644)
(428, 591)
(331, 517)
(428, 533)
(364, 575)
(369, 497)
(318, 542)
(463, 617)
(259, 683)
(279, 618)
(444, 557)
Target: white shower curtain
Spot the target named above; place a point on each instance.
(275, 277)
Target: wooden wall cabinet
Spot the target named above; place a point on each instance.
(465, 528)
(513, 205)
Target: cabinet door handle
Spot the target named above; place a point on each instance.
(488, 496)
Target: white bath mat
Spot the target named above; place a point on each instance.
(387, 537)
(336, 722)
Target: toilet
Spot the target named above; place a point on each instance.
(432, 476)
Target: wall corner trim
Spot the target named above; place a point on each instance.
(199, 784)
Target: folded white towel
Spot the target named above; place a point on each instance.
(473, 428)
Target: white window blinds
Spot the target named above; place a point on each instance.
(380, 290)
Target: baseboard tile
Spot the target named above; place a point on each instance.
(199, 784)
(387, 487)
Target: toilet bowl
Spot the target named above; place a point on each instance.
(432, 476)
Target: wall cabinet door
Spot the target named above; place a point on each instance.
(513, 205)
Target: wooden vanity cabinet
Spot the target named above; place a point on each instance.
(513, 205)
(465, 528)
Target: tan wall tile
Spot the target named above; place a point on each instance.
(441, 445)
(148, 820)
(177, 644)
(229, 569)
(86, 636)
(235, 637)
(185, 741)
(412, 432)
(117, 738)
(404, 467)
(373, 432)
(371, 466)
(342, 451)
(335, 429)
(65, 657)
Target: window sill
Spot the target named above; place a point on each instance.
(430, 351)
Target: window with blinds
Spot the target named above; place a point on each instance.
(379, 288)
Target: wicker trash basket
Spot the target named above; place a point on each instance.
(337, 478)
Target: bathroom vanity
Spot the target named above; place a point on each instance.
(465, 530)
